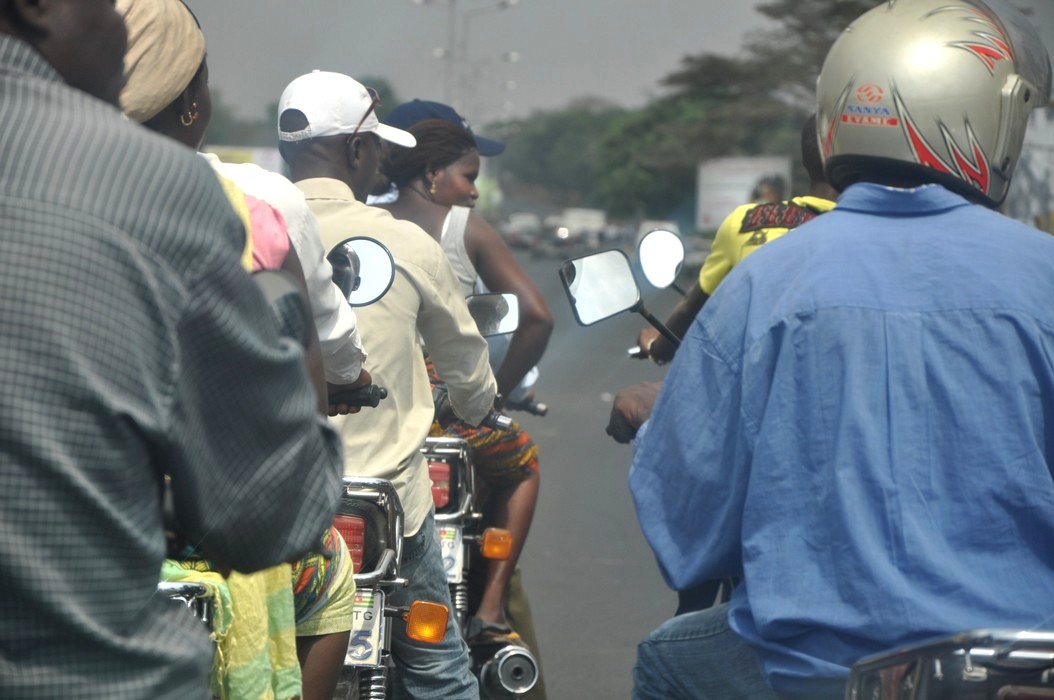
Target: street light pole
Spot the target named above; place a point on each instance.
(456, 55)
(466, 90)
(452, 58)
(475, 105)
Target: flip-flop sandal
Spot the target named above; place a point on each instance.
(479, 632)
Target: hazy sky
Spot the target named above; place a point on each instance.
(614, 49)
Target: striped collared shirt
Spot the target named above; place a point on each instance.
(132, 345)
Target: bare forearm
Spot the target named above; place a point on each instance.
(685, 312)
(526, 349)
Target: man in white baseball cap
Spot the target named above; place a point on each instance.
(336, 104)
(332, 140)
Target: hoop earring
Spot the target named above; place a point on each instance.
(190, 117)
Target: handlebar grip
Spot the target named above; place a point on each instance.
(497, 421)
(535, 408)
(620, 429)
(369, 395)
(637, 353)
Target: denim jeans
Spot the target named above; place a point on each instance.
(697, 656)
(426, 671)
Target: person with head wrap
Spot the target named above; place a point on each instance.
(167, 90)
(132, 341)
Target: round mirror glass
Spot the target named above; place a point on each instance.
(600, 286)
(661, 255)
(363, 268)
(494, 314)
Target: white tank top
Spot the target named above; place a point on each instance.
(452, 240)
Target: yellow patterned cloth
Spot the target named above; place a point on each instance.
(256, 653)
(324, 588)
(502, 458)
(241, 207)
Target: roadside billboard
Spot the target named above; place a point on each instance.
(726, 183)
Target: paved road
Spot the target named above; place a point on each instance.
(593, 583)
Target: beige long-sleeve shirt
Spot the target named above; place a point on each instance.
(424, 299)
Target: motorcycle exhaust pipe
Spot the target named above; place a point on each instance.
(511, 672)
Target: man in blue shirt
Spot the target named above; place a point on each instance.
(858, 424)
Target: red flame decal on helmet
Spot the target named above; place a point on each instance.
(990, 54)
(924, 153)
(991, 45)
(974, 169)
(832, 125)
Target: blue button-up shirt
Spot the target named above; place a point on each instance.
(861, 423)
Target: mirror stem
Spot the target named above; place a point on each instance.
(673, 285)
(660, 326)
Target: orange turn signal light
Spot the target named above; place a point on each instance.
(426, 622)
(496, 543)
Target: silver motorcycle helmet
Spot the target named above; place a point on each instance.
(919, 91)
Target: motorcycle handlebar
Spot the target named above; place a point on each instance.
(637, 353)
(494, 420)
(369, 395)
(620, 428)
(531, 406)
(497, 421)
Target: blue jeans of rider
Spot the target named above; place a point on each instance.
(697, 656)
(428, 671)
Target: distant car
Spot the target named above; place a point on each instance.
(521, 229)
(558, 242)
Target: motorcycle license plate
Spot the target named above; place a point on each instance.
(450, 542)
(367, 629)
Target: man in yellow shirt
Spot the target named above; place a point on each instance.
(741, 233)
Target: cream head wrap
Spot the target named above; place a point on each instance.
(165, 50)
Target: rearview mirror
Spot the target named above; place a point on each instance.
(363, 269)
(600, 286)
(661, 255)
(494, 314)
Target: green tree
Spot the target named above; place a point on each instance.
(756, 103)
(644, 162)
(793, 53)
(644, 165)
(554, 152)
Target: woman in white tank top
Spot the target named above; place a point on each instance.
(436, 186)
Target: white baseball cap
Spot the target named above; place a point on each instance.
(335, 104)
